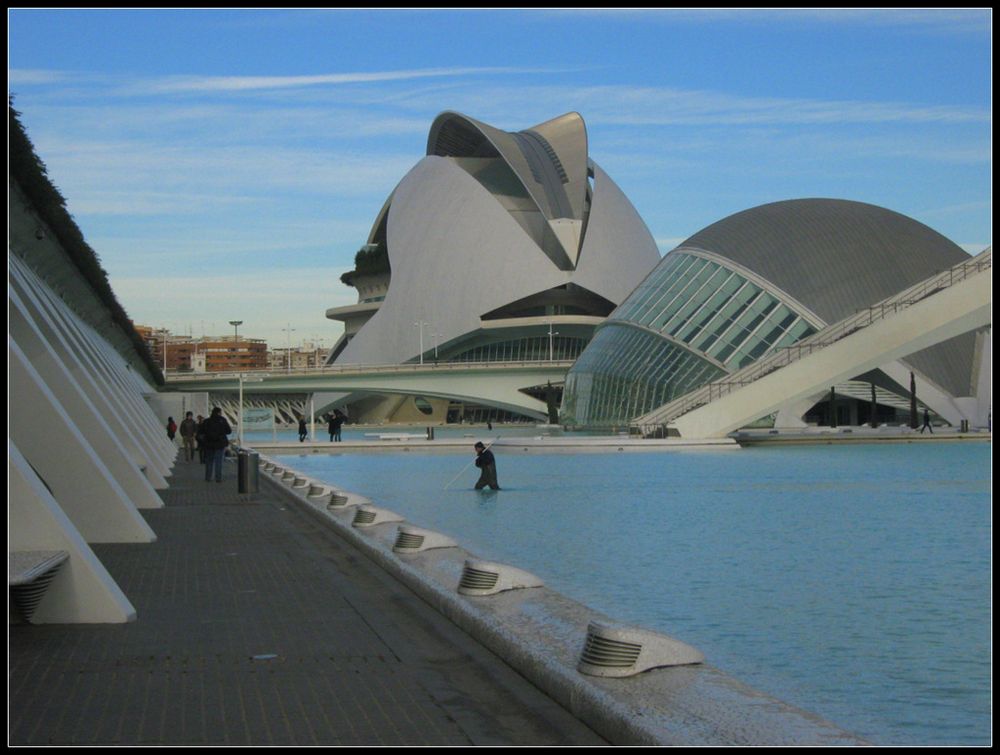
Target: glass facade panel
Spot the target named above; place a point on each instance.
(679, 295)
(626, 372)
(720, 288)
(698, 320)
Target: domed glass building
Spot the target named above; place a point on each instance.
(752, 283)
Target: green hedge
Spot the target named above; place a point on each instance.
(367, 261)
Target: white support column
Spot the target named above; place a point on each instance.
(135, 394)
(74, 400)
(100, 393)
(940, 401)
(83, 356)
(122, 381)
(102, 361)
(83, 592)
(62, 456)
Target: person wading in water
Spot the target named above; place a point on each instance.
(488, 468)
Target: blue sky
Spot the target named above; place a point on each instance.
(227, 164)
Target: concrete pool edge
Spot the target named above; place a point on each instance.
(529, 444)
(540, 633)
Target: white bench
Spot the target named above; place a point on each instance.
(28, 576)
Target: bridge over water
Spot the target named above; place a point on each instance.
(499, 384)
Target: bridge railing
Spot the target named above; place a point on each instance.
(786, 355)
(366, 369)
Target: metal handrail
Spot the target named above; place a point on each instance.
(786, 355)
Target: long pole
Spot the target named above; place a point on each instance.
(236, 341)
(240, 418)
(470, 463)
(420, 325)
(288, 344)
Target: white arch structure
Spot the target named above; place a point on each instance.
(922, 316)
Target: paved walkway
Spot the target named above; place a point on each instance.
(258, 626)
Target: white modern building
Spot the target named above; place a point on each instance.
(496, 246)
(760, 281)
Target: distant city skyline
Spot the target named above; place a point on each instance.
(228, 164)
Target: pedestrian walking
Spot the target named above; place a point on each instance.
(216, 432)
(927, 423)
(171, 428)
(189, 429)
(199, 438)
(303, 430)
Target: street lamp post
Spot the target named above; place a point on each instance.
(236, 327)
(288, 345)
(420, 324)
(551, 349)
(240, 419)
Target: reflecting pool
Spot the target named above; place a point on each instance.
(853, 581)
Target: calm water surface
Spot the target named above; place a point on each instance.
(852, 581)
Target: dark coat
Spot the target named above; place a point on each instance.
(215, 430)
(488, 471)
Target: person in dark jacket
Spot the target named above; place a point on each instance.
(927, 423)
(303, 430)
(215, 431)
(336, 421)
(188, 429)
(488, 468)
(200, 437)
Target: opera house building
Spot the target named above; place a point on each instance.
(496, 246)
(762, 280)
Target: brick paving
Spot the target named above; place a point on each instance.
(258, 626)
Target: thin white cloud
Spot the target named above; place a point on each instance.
(240, 171)
(36, 77)
(254, 83)
(670, 106)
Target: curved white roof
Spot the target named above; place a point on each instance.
(465, 236)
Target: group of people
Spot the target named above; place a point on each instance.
(210, 437)
(336, 421)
